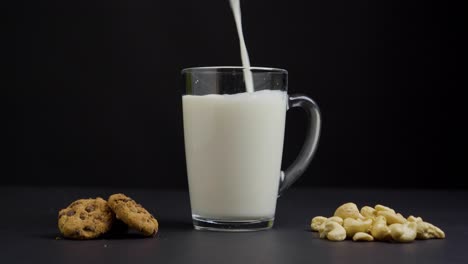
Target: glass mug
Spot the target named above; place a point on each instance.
(234, 145)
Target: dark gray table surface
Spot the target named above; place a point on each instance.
(28, 229)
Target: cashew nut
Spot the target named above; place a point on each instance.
(353, 226)
(414, 219)
(317, 222)
(337, 219)
(333, 231)
(348, 210)
(361, 236)
(392, 218)
(379, 229)
(368, 212)
(404, 232)
(380, 207)
(427, 230)
(378, 223)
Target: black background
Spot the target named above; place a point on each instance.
(93, 87)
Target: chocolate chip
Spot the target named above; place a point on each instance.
(62, 213)
(90, 208)
(71, 212)
(89, 229)
(124, 200)
(82, 216)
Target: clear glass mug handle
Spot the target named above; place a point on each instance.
(297, 168)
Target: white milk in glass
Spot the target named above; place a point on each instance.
(234, 145)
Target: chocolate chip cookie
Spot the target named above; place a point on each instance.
(133, 214)
(85, 219)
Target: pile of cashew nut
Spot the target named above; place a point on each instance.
(380, 223)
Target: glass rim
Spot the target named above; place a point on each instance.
(211, 69)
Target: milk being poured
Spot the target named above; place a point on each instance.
(235, 6)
